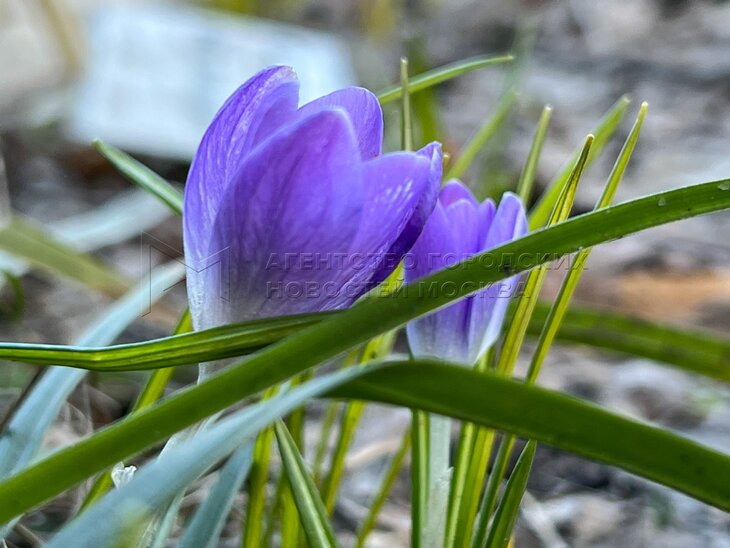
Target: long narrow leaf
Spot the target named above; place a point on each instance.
(158, 483)
(143, 176)
(306, 496)
(441, 74)
(363, 321)
(210, 517)
(24, 433)
(22, 238)
(506, 515)
(603, 133)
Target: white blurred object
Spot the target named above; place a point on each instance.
(157, 74)
(122, 475)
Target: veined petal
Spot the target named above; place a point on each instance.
(418, 215)
(455, 190)
(489, 306)
(292, 208)
(365, 114)
(394, 185)
(441, 334)
(253, 112)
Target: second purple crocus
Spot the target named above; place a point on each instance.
(293, 209)
(458, 228)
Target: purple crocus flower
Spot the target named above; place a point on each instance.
(294, 209)
(460, 227)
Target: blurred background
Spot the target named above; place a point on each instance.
(147, 76)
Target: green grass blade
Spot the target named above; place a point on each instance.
(22, 238)
(142, 176)
(349, 328)
(184, 349)
(441, 74)
(692, 351)
(481, 137)
(565, 294)
(381, 495)
(419, 476)
(552, 418)
(603, 133)
(210, 517)
(156, 484)
(153, 391)
(25, 431)
(529, 171)
(350, 419)
(513, 339)
(311, 509)
(509, 507)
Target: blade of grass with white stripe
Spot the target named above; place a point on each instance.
(356, 325)
(506, 515)
(603, 133)
(206, 525)
(552, 324)
(441, 74)
(141, 175)
(306, 496)
(159, 482)
(24, 434)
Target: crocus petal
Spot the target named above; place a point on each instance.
(293, 204)
(441, 334)
(489, 306)
(394, 186)
(420, 213)
(365, 114)
(455, 190)
(253, 112)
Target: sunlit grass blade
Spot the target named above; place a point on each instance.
(141, 175)
(104, 225)
(559, 308)
(22, 238)
(311, 509)
(253, 529)
(481, 137)
(603, 133)
(156, 484)
(464, 509)
(509, 507)
(350, 419)
(527, 301)
(442, 74)
(185, 349)
(381, 494)
(351, 327)
(529, 171)
(551, 325)
(206, 525)
(419, 427)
